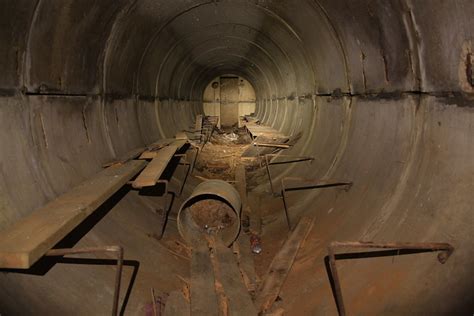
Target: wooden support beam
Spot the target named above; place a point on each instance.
(241, 184)
(181, 136)
(281, 265)
(270, 145)
(255, 213)
(152, 173)
(30, 238)
(150, 154)
(132, 154)
(246, 262)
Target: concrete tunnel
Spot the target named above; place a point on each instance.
(380, 92)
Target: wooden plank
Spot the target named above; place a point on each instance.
(271, 145)
(152, 173)
(241, 184)
(203, 294)
(176, 305)
(281, 265)
(246, 262)
(238, 298)
(255, 213)
(30, 238)
(198, 125)
(160, 144)
(181, 136)
(198, 128)
(132, 154)
(150, 154)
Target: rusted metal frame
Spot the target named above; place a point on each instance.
(312, 185)
(118, 250)
(445, 248)
(268, 163)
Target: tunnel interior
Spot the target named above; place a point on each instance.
(377, 93)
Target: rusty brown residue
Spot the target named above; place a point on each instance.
(212, 214)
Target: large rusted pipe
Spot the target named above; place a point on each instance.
(213, 208)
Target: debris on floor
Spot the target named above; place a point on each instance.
(212, 215)
(221, 155)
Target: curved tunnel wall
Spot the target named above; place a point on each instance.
(379, 90)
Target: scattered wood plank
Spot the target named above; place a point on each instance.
(176, 305)
(150, 154)
(160, 144)
(281, 265)
(255, 213)
(198, 128)
(271, 145)
(30, 238)
(198, 124)
(152, 173)
(239, 299)
(132, 154)
(246, 263)
(241, 183)
(146, 155)
(203, 295)
(181, 136)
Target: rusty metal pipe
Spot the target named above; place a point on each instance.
(210, 190)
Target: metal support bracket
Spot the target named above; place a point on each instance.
(292, 159)
(445, 252)
(310, 185)
(118, 250)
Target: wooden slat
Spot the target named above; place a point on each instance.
(246, 262)
(132, 154)
(238, 298)
(160, 143)
(255, 212)
(203, 294)
(241, 184)
(151, 174)
(176, 305)
(150, 154)
(281, 265)
(181, 136)
(29, 239)
(198, 125)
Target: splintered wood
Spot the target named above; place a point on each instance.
(281, 265)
